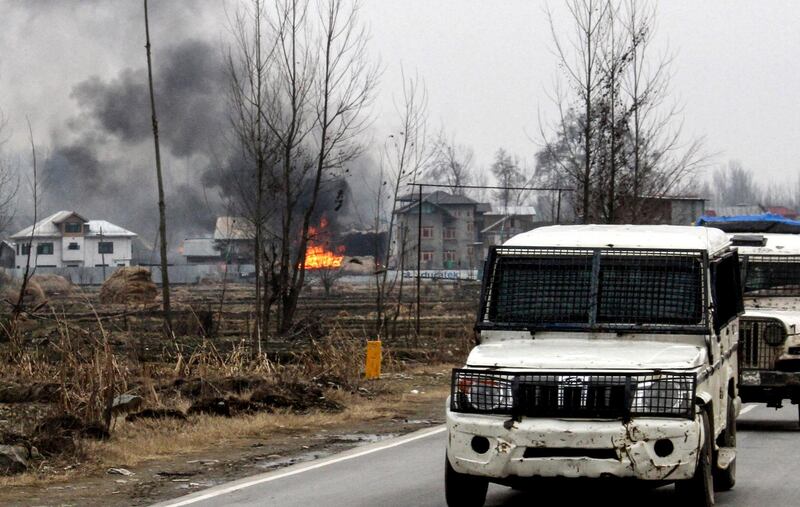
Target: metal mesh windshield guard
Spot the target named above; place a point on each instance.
(771, 275)
(615, 289)
(584, 395)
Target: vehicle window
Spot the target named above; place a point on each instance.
(608, 289)
(657, 290)
(777, 276)
(542, 289)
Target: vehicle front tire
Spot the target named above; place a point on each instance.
(726, 479)
(699, 490)
(461, 490)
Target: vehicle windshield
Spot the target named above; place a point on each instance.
(595, 289)
(771, 275)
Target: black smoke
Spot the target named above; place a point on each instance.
(103, 164)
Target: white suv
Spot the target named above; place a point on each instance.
(605, 351)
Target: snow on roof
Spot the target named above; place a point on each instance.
(774, 244)
(672, 237)
(48, 227)
(107, 229)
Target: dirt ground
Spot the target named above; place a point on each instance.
(233, 448)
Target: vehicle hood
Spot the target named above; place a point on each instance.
(790, 318)
(589, 354)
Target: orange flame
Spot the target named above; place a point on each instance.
(317, 256)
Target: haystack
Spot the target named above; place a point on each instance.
(53, 284)
(129, 285)
(34, 295)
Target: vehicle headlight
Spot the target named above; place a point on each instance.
(662, 397)
(483, 393)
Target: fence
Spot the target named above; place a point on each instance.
(178, 274)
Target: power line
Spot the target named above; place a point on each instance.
(488, 187)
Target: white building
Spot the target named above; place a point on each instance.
(66, 239)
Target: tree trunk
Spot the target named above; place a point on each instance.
(162, 212)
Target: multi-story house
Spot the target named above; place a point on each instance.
(66, 239)
(447, 236)
(499, 225)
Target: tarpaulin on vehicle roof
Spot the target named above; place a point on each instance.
(766, 222)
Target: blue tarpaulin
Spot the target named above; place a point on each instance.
(766, 222)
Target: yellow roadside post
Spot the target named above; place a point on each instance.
(373, 367)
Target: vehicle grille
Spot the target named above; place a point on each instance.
(585, 395)
(760, 343)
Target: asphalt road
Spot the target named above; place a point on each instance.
(409, 472)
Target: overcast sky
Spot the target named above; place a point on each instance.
(487, 66)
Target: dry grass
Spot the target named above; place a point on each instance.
(135, 443)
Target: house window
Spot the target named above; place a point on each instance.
(469, 226)
(86, 229)
(470, 252)
(427, 232)
(449, 233)
(105, 247)
(26, 248)
(449, 256)
(427, 256)
(73, 246)
(44, 249)
(72, 227)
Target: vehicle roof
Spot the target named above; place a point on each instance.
(775, 244)
(671, 237)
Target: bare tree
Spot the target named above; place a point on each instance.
(616, 140)
(660, 159)
(19, 305)
(451, 163)
(162, 215)
(9, 183)
(405, 154)
(735, 185)
(582, 69)
(507, 170)
(344, 84)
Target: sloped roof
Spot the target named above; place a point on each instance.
(108, 230)
(439, 198)
(233, 228)
(783, 211)
(739, 209)
(510, 211)
(48, 227)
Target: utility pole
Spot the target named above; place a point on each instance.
(162, 218)
(419, 255)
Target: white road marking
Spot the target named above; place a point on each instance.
(747, 408)
(298, 469)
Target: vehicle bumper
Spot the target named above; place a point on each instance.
(769, 386)
(630, 447)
